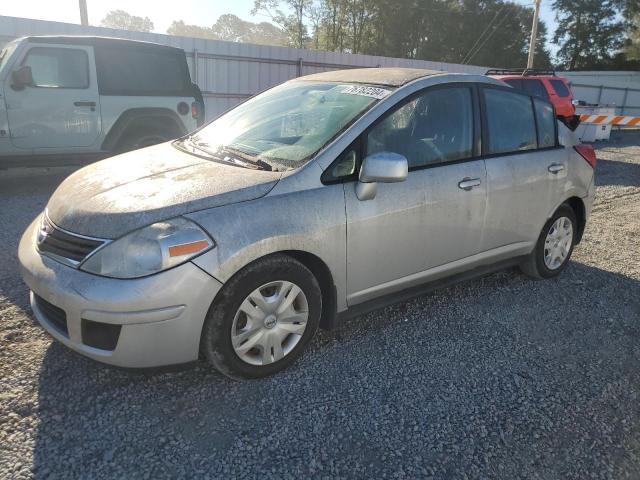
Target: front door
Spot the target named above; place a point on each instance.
(433, 218)
(61, 109)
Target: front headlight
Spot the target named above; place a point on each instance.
(150, 250)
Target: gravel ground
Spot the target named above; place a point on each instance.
(500, 377)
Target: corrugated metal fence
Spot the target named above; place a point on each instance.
(229, 72)
(618, 89)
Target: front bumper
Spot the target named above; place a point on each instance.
(160, 316)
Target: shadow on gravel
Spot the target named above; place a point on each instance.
(614, 172)
(499, 377)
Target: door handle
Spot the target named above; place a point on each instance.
(555, 168)
(468, 183)
(84, 104)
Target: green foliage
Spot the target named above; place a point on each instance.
(232, 28)
(124, 21)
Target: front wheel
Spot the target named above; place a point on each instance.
(554, 247)
(262, 319)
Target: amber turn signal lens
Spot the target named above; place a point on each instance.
(187, 248)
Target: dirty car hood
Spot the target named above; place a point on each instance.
(115, 196)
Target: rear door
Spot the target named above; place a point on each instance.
(525, 167)
(433, 218)
(61, 109)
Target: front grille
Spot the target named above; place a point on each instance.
(54, 315)
(62, 244)
(100, 335)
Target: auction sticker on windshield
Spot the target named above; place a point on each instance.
(374, 92)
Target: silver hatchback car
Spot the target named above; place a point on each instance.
(319, 198)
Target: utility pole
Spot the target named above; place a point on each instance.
(534, 34)
(84, 15)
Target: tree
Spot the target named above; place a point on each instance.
(178, 27)
(233, 29)
(589, 33)
(632, 47)
(291, 23)
(125, 21)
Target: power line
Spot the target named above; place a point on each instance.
(488, 37)
(484, 32)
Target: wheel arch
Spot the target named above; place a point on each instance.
(164, 118)
(578, 207)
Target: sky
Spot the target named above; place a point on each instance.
(162, 13)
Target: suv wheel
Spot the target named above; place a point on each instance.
(554, 246)
(262, 319)
(141, 138)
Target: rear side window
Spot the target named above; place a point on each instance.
(546, 121)
(433, 128)
(517, 84)
(141, 71)
(58, 67)
(510, 121)
(560, 88)
(535, 87)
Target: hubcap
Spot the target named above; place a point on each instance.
(269, 323)
(558, 243)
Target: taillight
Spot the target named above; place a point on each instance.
(195, 110)
(588, 153)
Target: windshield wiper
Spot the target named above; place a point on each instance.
(239, 160)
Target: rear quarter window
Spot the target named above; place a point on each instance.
(510, 121)
(546, 122)
(560, 88)
(127, 70)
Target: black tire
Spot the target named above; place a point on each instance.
(215, 341)
(141, 138)
(535, 265)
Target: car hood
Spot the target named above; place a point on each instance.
(110, 198)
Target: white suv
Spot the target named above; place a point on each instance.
(67, 95)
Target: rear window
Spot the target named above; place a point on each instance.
(510, 121)
(127, 70)
(560, 88)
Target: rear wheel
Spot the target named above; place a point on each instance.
(141, 138)
(555, 245)
(262, 319)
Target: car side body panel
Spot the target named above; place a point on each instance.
(299, 214)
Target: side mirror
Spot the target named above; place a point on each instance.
(22, 77)
(383, 167)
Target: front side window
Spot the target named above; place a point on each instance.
(286, 125)
(510, 121)
(546, 122)
(433, 128)
(560, 88)
(58, 67)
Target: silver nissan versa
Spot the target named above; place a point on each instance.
(323, 197)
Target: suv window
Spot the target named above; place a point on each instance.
(546, 122)
(560, 88)
(535, 87)
(141, 71)
(510, 121)
(433, 128)
(58, 67)
(531, 86)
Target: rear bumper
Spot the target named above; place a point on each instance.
(158, 319)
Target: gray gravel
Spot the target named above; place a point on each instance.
(500, 377)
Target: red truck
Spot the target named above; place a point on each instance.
(544, 83)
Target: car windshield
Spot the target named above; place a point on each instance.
(6, 52)
(283, 127)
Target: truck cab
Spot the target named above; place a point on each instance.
(65, 96)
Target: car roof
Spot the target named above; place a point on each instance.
(392, 77)
(97, 41)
